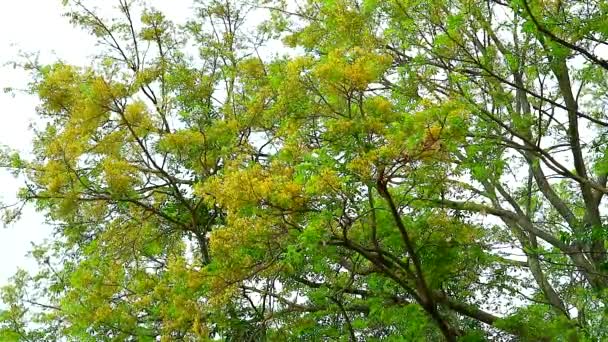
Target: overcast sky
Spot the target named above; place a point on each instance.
(28, 25)
(37, 26)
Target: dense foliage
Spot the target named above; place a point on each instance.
(363, 170)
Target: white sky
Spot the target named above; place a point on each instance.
(27, 25)
(37, 26)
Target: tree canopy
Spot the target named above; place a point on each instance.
(355, 170)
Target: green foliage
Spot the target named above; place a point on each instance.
(407, 170)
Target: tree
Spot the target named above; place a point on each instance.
(418, 170)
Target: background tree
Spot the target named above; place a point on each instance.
(122, 144)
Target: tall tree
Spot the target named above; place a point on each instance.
(418, 170)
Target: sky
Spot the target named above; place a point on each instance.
(37, 26)
(28, 26)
